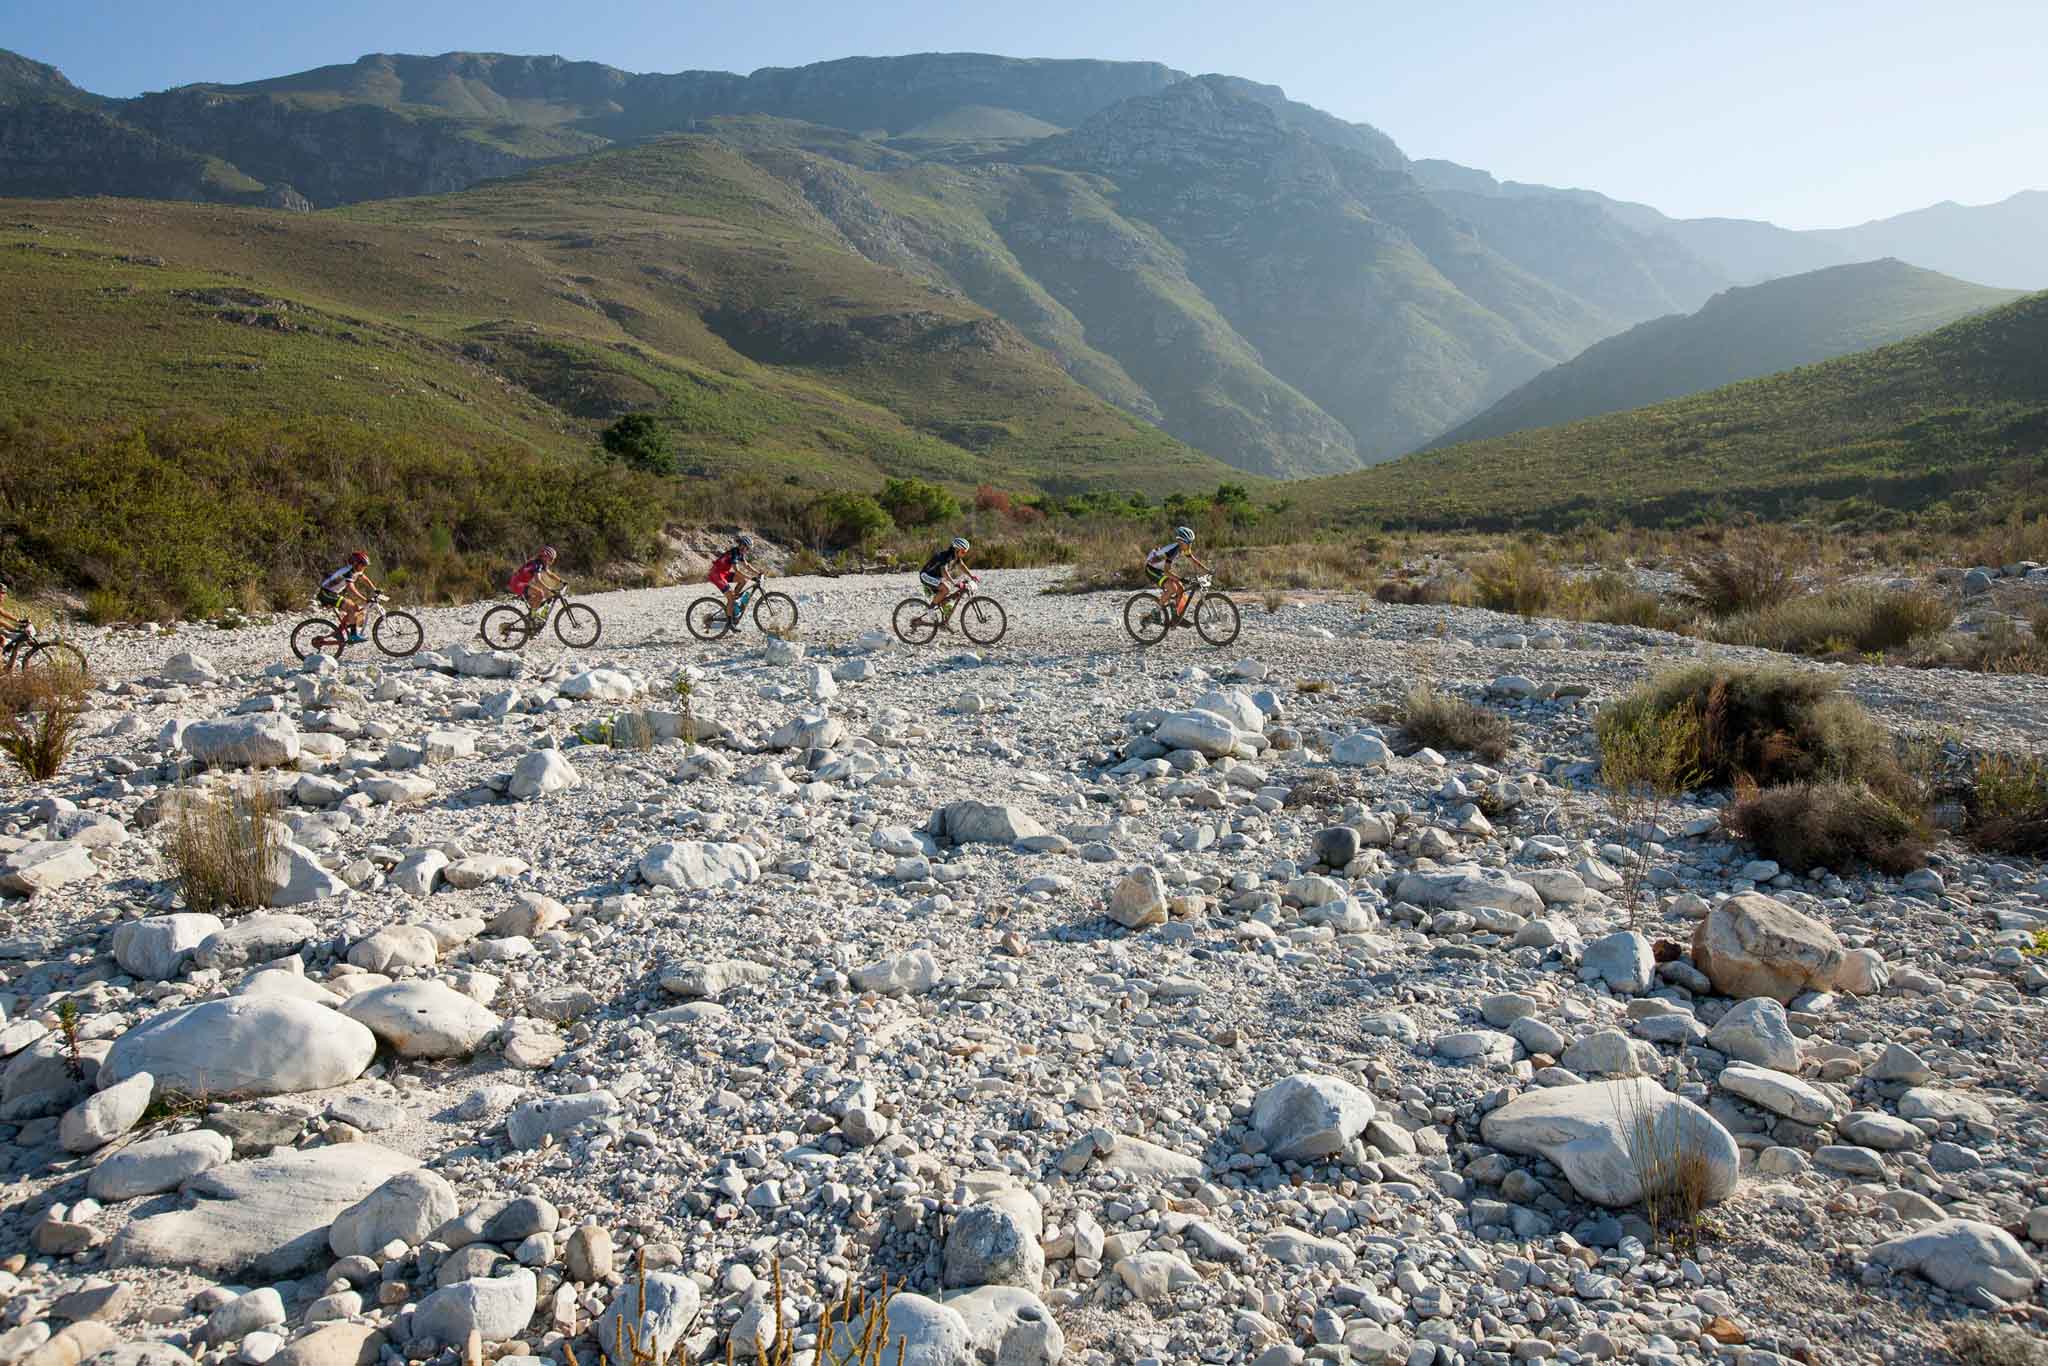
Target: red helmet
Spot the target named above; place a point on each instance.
(359, 558)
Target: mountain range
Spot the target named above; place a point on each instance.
(1283, 290)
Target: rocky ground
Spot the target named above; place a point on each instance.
(1120, 1006)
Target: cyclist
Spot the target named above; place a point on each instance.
(535, 580)
(11, 628)
(1173, 594)
(731, 572)
(348, 588)
(940, 581)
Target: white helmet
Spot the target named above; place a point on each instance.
(960, 543)
(1185, 535)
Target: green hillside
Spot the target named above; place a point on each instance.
(1738, 335)
(1900, 425)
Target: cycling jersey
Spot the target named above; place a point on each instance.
(526, 573)
(938, 564)
(722, 568)
(1165, 555)
(339, 579)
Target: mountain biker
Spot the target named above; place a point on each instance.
(345, 589)
(11, 627)
(536, 579)
(1173, 594)
(945, 577)
(732, 571)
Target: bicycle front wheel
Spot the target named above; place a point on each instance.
(577, 626)
(56, 655)
(983, 621)
(1145, 619)
(775, 614)
(398, 634)
(914, 622)
(1216, 619)
(708, 619)
(506, 627)
(317, 635)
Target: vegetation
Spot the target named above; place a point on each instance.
(2009, 805)
(1835, 824)
(1674, 1174)
(41, 713)
(1443, 722)
(1649, 755)
(1977, 1343)
(1744, 575)
(917, 502)
(221, 846)
(1840, 621)
(639, 442)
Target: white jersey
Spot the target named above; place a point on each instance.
(1164, 556)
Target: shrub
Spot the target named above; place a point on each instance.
(2009, 806)
(1996, 1344)
(988, 498)
(1518, 580)
(639, 442)
(1648, 756)
(41, 711)
(1434, 592)
(1442, 722)
(849, 519)
(1804, 826)
(1613, 598)
(1738, 577)
(221, 846)
(1772, 726)
(1673, 1173)
(917, 502)
(1865, 620)
(2038, 622)
(104, 605)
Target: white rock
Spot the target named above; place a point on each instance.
(45, 865)
(418, 871)
(101, 1118)
(1751, 945)
(158, 1164)
(243, 742)
(598, 685)
(1963, 1254)
(540, 772)
(1361, 751)
(1586, 1131)
(1468, 888)
(984, 823)
(1778, 1093)
(495, 1308)
(1204, 732)
(1623, 960)
(296, 876)
(931, 1334)
(669, 1311)
(1139, 898)
(908, 974)
(1757, 1031)
(694, 865)
(242, 1046)
(1307, 1116)
(157, 948)
(396, 948)
(422, 1019)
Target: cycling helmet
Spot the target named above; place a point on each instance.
(547, 552)
(960, 543)
(746, 542)
(1185, 535)
(359, 558)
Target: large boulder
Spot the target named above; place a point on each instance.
(1587, 1130)
(495, 1308)
(1754, 945)
(1139, 898)
(656, 1326)
(423, 1019)
(693, 865)
(255, 938)
(930, 1333)
(1962, 1255)
(1469, 888)
(404, 1209)
(45, 865)
(540, 772)
(156, 948)
(997, 1242)
(983, 823)
(1757, 1031)
(1008, 1326)
(264, 741)
(266, 1218)
(158, 1164)
(44, 1078)
(1308, 1116)
(296, 876)
(1204, 732)
(241, 1047)
(395, 948)
(1235, 705)
(101, 1118)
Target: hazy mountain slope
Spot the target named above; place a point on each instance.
(657, 279)
(1744, 333)
(1901, 424)
(2003, 244)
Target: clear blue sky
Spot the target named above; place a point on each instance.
(1811, 113)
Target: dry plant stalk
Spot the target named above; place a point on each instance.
(41, 710)
(1646, 761)
(221, 847)
(1674, 1176)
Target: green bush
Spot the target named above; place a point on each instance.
(1740, 576)
(849, 519)
(1833, 825)
(1518, 580)
(1867, 620)
(917, 502)
(639, 442)
(2009, 805)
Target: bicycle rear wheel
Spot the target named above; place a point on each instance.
(914, 621)
(708, 619)
(317, 635)
(983, 620)
(398, 634)
(506, 627)
(775, 614)
(1144, 618)
(577, 626)
(1216, 619)
(55, 654)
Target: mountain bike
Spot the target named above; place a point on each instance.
(774, 613)
(396, 634)
(509, 625)
(1213, 615)
(982, 620)
(23, 649)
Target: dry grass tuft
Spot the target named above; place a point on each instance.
(1863, 620)
(1831, 825)
(1451, 723)
(1739, 576)
(41, 712)
(1675, 1176)
(222, 846)
(2009, 805)
(1518, 580)
(1996, 1344)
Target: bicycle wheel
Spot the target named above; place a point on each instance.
(1216, 619)
(577, 626)
(506, 627)
(1144, 618)
(983, 620)
(707, 619)
(914, 622)
(775, 614)
(55, 654)
(317, 635)
(398, 634)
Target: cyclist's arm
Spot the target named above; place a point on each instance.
(550, 580)
(1198, 562)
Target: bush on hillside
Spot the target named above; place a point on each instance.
(1770, 726)
(1804, 826)
(1518, 580)
(1866, 620)
(639, 442)
(917, 502)
(847, 519)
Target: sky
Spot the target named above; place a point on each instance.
(1808, 113)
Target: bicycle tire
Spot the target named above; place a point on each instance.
(586, 630)
(983, 620)
(506, 627)
(914, 622)
(775, 614)
(317, 635)
(401, 627)
(56, 654)
(708, 619)
(1144, 618)
(1226, 610)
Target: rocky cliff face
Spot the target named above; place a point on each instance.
(52, 149)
